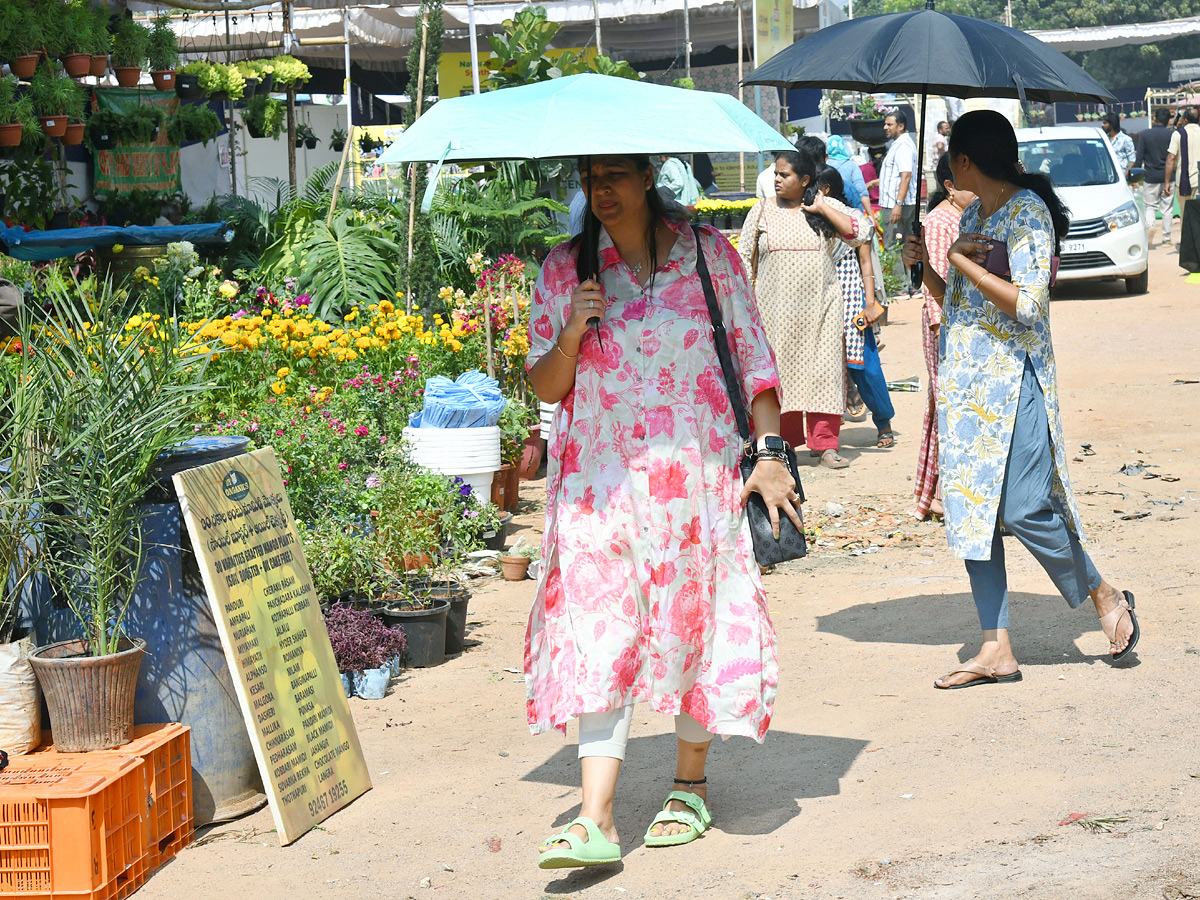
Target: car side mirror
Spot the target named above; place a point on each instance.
(1137, 175)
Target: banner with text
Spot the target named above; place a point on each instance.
(138, 167)
(274, 636)
(774, 28)
(454, 70)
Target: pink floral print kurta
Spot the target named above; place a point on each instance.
(650, 592)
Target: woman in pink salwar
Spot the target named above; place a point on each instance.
(649, 592)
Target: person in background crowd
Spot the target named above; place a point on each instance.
(852, 179)
(676, 176)
(945, 209)
(702, 168)
(1122, 143)
(854, 272)
(649, 592)
(1152, 147)
(786, 247)
(1002, 459)
(898, 183)
(940, 140)
(815, 146)
(1183, 161)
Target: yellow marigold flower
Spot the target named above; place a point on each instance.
(283, 373)
(457, 345)
(134, 322)
(117, 248)
(387, 307)
(278, 387)
(362, 343)
(350, 316)
(399, 295)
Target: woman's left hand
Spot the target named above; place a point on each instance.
(772, 479)
(970, 247)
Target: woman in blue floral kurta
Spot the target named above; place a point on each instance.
(1001, 450)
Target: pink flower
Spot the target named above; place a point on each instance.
(342, 465)
(362, 431)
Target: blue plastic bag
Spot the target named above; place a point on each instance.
(473, 401)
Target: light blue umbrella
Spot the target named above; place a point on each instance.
(583, 115)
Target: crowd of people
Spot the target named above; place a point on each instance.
(650, 591)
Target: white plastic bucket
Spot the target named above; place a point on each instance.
(472, 454)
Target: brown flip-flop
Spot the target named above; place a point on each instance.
(987, 675)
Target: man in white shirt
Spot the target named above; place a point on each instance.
(1122, 143)
(764, 185)
(1183, 161)
(897, 180)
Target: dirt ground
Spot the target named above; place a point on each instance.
(871, 784)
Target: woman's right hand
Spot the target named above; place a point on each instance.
(969, 247)
(587, 302)
(914, 251)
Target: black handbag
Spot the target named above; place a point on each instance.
(767, 549)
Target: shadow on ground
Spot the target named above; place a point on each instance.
(1043, 630)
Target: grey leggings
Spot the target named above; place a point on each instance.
(607, 733)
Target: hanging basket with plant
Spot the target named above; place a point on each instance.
(306, 137)
(193, 123)
(337, 140)
(104, 130)
(289, 72)
(264, 117)
(130, 45)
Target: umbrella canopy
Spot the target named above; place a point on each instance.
(582, 115)
(930, 52)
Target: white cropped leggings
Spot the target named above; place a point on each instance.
(607, 733)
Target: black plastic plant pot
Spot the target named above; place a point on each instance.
(187, 87)
(104, 142)
(338, 146)
(424, 632)
(266, 83)
(310, 143)
(251, 88)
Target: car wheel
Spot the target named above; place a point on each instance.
(1138, 284)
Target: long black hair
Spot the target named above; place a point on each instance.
(803, 163)
(587, 263)
(942, 175)
(987, 139)
(831, 178)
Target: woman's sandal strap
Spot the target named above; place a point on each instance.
(703, 780)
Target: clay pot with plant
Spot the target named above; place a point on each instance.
(162, 50)
(514, 565)
(113, 406)
(20, 37)
(56, 101)
(18, 120)
(95, 39)
(129, 51)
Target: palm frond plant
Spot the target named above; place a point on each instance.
(346, 263)
(119, 392)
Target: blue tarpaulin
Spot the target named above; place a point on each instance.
(38, 246)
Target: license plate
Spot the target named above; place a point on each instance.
(1073, 247)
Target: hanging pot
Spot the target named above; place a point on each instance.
(77, 64)
(868, 131)
(10, 134)
(99, 65)
(25, 66)
(73, 136)
(266, 83)
(104, 142)
(250, 89)
(310, 143)
(53, 126)
(90, 698)
(128, 76)
(188, 86)
(255, 129)
(219, 96)
(338, 146)
(164, 79)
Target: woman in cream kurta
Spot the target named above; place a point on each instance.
(791, 265)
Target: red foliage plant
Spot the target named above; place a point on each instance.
(360, 641)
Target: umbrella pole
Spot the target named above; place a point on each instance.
(918, 271)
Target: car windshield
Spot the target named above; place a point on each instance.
(1070, 162)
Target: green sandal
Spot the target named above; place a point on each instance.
(595, 851)
(697, 818)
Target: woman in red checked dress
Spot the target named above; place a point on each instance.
(649, 592)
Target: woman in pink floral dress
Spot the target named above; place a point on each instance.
(649, 591)
(941, 231)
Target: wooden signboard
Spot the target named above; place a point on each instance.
(271, 627)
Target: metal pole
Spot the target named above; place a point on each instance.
(596, 18)
(232, 140)
(474, 45)
(412, 199)
(741, 51)
(758, 111)
(291, 102)
(687, 41)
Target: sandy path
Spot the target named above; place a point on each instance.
(871, 783)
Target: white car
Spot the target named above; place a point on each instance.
(1107, 237)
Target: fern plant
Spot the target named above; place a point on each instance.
(345, 263)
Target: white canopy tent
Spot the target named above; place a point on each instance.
(1074, 39)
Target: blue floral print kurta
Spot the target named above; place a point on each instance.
(983, 353)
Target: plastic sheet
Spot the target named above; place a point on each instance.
(473, 401)
(38, 246)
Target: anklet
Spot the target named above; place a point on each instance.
(703, 780)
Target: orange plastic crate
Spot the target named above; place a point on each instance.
(72, 827)
(167, 750)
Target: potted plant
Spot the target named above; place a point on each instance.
(21, 408)
(18, 121)
(163, 52)
(337, 140)
(142, 124)
(104, 130)
(187, 80)
(366, 144)
(412, 504)
(193, 123)
(56, 100)
(345, 562)
(264, 71)
(515, 423)
(20, 38)
(422, 619)
(264, 117)
(249, 75)
(129, 48)
(866, 122)
(365, 650)
(514, 565)
(222, 82)
(96, 39)
(289, 72)
(306, 137)
(114, 404)
(74, 23)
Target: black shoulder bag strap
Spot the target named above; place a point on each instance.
(732, 384)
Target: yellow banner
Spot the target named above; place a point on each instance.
(773, 28)
(454, 70)
(273, 633)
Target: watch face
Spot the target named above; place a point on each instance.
(772, 442)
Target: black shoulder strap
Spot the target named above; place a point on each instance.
(732, 384)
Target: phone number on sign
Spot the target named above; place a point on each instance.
(333, 795)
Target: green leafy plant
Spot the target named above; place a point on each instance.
(89, 27)
(193, 123)
(55, 96)
(103, 122)
(131, 207)
(342, 558)
(337, 139)
(305, 134)
(264, 116)
(141, 123)
(685, 83)
(114, 405)
(520, 55)
(289, 71)
(16, 110)
(344, 263)
(130, 44)
(20, 30)
(515, 423)
(50, 19)
(162, 47)
(217, 78)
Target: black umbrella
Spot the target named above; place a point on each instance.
(930, 52)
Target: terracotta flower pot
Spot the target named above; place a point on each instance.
(73, 135)
(77, 64)
(25, 66)
(99, 65)
(90, 698)
(163, 80)
(531, 457)
(128, 76)
(10, 134)
(514, 568)
(53, 126)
